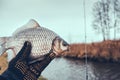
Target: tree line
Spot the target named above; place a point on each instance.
(106, 17)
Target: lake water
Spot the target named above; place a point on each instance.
(74, 69)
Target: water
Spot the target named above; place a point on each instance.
(72, 69)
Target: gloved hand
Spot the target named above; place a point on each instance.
(20, 69)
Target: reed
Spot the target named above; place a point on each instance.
(103, 51)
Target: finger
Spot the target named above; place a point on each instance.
(25, 51)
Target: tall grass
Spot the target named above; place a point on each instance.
(107, 50)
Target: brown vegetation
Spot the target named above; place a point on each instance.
(3, 63)
(103, 51)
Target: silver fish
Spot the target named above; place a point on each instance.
(42, 40)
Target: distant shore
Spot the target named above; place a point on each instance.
(100, 51)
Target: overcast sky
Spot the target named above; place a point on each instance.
(65, 17)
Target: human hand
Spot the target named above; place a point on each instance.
(20, 69)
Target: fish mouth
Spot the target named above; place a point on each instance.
(66, 44)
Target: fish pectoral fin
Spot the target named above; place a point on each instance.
(31, 24)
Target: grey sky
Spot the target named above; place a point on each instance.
(65, 17)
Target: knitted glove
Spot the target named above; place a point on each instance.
(20, 69)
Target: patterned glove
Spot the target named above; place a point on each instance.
(20, 69)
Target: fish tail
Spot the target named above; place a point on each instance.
(2, 40)
(2, 50)
(2, 44)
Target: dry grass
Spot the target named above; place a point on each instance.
(106, 50)
(3, 63)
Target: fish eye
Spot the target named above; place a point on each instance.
(65, 43)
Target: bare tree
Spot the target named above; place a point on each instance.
(101, 22)
(116, 12)
(106, 16)
(98, 21)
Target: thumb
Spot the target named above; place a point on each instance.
(25, 51)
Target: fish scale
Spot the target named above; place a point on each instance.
(41, 39)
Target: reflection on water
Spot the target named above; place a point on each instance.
(71, 69)
(106, 71)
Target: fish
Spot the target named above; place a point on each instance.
(43, 40)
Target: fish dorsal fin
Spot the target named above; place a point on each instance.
(31, 24)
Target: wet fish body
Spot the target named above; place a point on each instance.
(40, 37)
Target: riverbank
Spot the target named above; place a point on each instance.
(101, 51)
